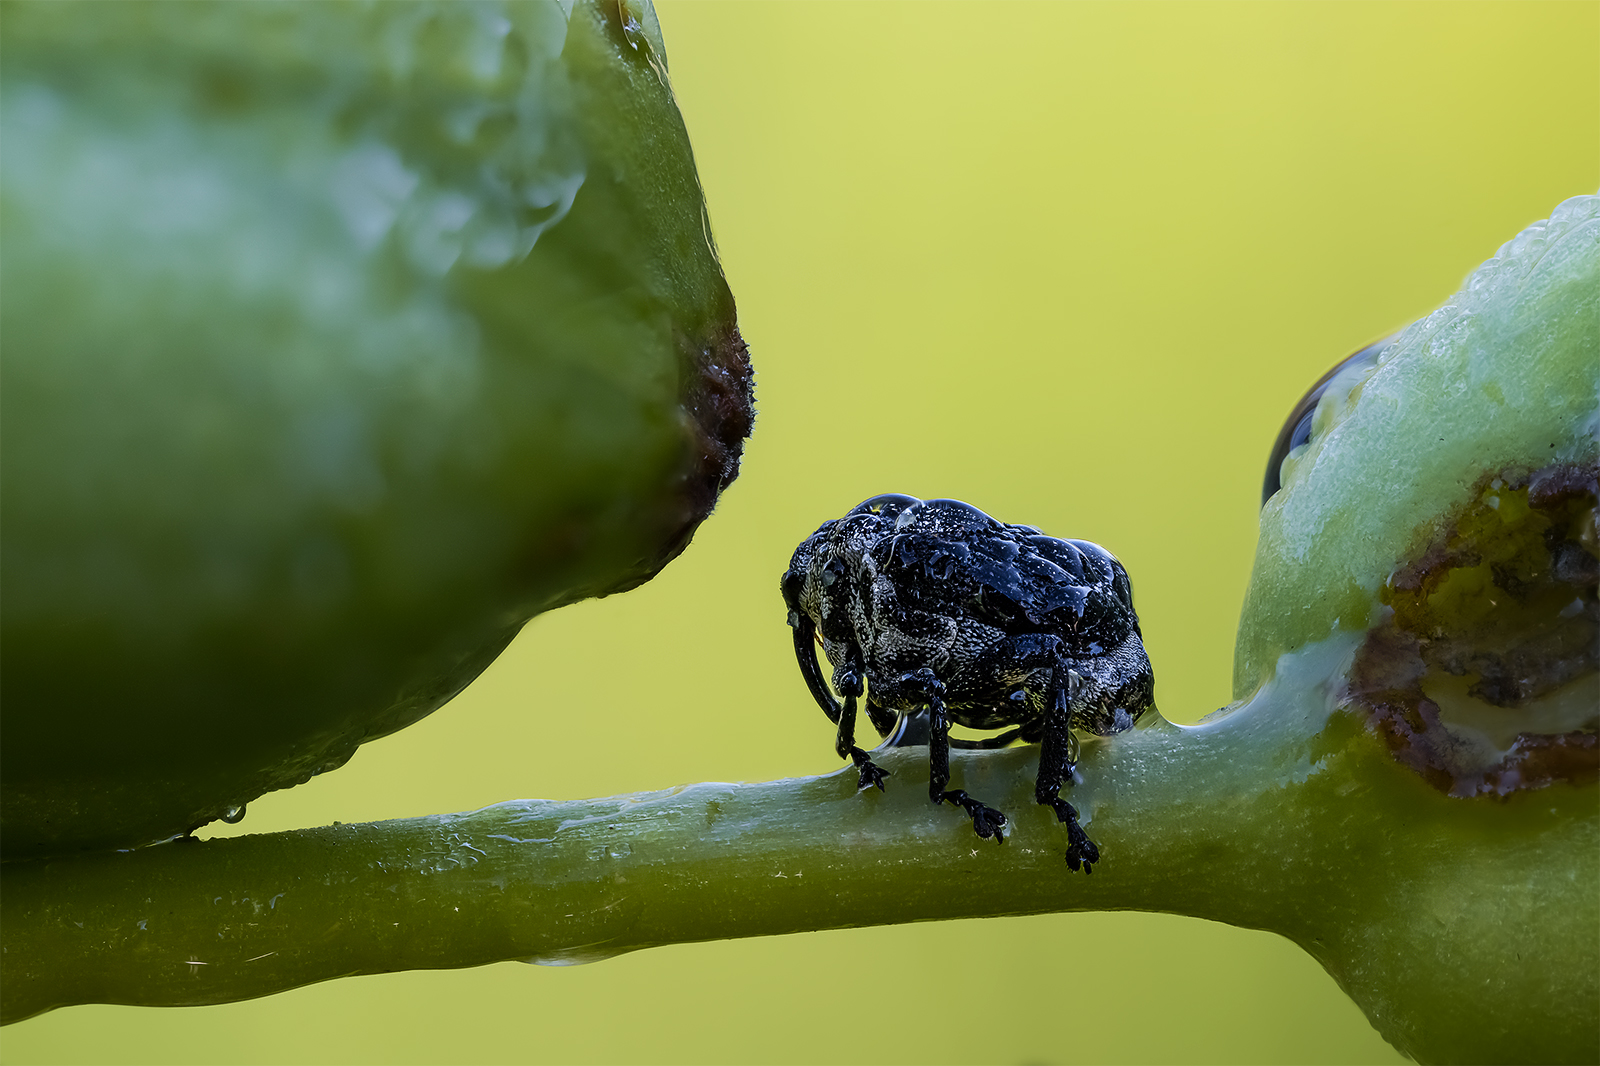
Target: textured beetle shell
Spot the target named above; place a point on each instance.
(941, 585)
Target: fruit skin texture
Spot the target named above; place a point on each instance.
(339, 342)
(1506, 375)
(1439, 529)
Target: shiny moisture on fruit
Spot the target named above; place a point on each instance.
(1296, 431)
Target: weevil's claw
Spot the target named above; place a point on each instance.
(1080, 848)
(871, 774)
(986, 821)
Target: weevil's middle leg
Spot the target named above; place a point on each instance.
(986, 821)
(1057, 758)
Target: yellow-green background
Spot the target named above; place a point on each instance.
(1069, 262)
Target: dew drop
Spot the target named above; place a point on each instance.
(581, 955)
(234, 815)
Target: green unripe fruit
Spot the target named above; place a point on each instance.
(1437, 538)
(339, 341)
(1505, 376)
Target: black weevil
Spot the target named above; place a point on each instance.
(933, 604)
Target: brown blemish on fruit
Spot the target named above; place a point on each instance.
(1504, 595)
(719, 398)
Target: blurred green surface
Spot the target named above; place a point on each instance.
(1073, 264)
(339, 341)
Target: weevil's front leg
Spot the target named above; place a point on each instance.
(986, 821)
(845, 744)
(805, 635)
(1057, 759)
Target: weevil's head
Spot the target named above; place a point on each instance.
(824, 566)
(793, 583)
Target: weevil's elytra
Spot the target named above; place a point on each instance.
(933, 604)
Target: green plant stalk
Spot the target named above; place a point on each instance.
(1282, 813)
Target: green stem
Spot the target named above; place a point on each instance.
(1278, 815)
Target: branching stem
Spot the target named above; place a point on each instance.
(1280, 814)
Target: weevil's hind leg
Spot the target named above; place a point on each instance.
(1057, 758)
(987, 743)
(986, 821)
(910, 731)
(871, 773)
